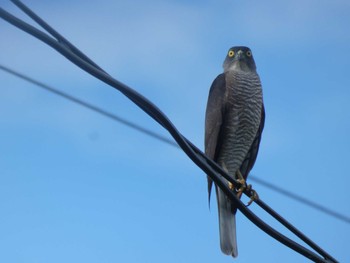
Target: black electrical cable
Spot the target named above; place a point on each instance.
(162, 119)
(55, 34)
(134, 96)
(149, 108)
(164, 139)
(207, 165)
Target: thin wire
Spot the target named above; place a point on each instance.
(302, 200)
(90, 106)
(199, 158)
(164, 139)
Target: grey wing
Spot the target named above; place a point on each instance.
(214, 118)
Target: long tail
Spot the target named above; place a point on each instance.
(227, 225)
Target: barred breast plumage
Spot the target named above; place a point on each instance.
(243, 97)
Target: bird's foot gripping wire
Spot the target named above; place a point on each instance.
(254, 195)
(243, 186)
(242, 182)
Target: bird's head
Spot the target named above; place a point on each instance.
(239, 59)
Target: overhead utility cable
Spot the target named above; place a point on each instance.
(166, 140)
(208, 166)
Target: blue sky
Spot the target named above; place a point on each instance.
(77, 187)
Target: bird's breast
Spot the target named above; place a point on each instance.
(243, 107)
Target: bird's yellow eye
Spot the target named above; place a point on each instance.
(231, 53)
(249, 53)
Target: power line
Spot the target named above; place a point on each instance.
(164, 139)
(207, 165)
(302, 200)
(90, 106)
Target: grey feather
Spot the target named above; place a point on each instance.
(227, 225)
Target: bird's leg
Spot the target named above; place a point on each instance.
(241, 180)
(254, 196)
(230, 185)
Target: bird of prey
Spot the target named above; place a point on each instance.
(234, 122)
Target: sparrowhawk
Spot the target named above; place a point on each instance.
(234, 122)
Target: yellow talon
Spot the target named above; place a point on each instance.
(241, 180)
(231, 186)
(254, 196)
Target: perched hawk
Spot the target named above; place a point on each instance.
(233, 125)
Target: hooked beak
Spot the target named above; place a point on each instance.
(239, 54)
